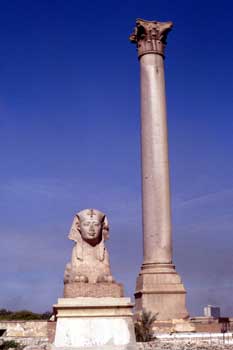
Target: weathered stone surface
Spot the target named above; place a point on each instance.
(150, 36)
(25, 328)
(96, 290)
(94, 322)
(101, 347)
(42, 346)
(51, 331)
(183, 345)
(92, 332)
(93, 307)
(181, 326)
(29, 341)
(159, 288)
(90, 260)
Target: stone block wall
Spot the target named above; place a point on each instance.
(51, 331)
(25, 329)
(28, 332)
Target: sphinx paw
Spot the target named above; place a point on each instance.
(105, 278)
(81, 278)
(109, 279)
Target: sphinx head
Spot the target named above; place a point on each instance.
(91, 225)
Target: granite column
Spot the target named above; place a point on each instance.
(159, 287)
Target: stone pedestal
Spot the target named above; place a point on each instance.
(94, 323)
(95, 290)
(159, 287)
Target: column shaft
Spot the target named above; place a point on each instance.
(155, 167)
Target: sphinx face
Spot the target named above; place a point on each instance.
(91, 230)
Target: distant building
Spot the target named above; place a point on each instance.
(212, 311)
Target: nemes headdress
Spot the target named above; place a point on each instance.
(75, 235)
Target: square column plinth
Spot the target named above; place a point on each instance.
(159, 289)
(94, 323)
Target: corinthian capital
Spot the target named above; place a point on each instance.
(150, 36)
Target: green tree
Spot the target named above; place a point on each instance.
(23, 315)
(143, 326)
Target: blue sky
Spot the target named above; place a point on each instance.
(69, 139)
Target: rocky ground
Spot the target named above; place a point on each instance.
(181, 345)
(153, 345)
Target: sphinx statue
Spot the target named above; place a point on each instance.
(93, 312)
(89, 264)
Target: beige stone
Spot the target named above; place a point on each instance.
(94, 322)
(93, 313)
(160, 290)
(96, 290)
(182, 326)
(90, 260)
(159, 287)
(24, 328)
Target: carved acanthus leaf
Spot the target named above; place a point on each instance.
(150, 36)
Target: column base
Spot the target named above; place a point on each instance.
(159, 289)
